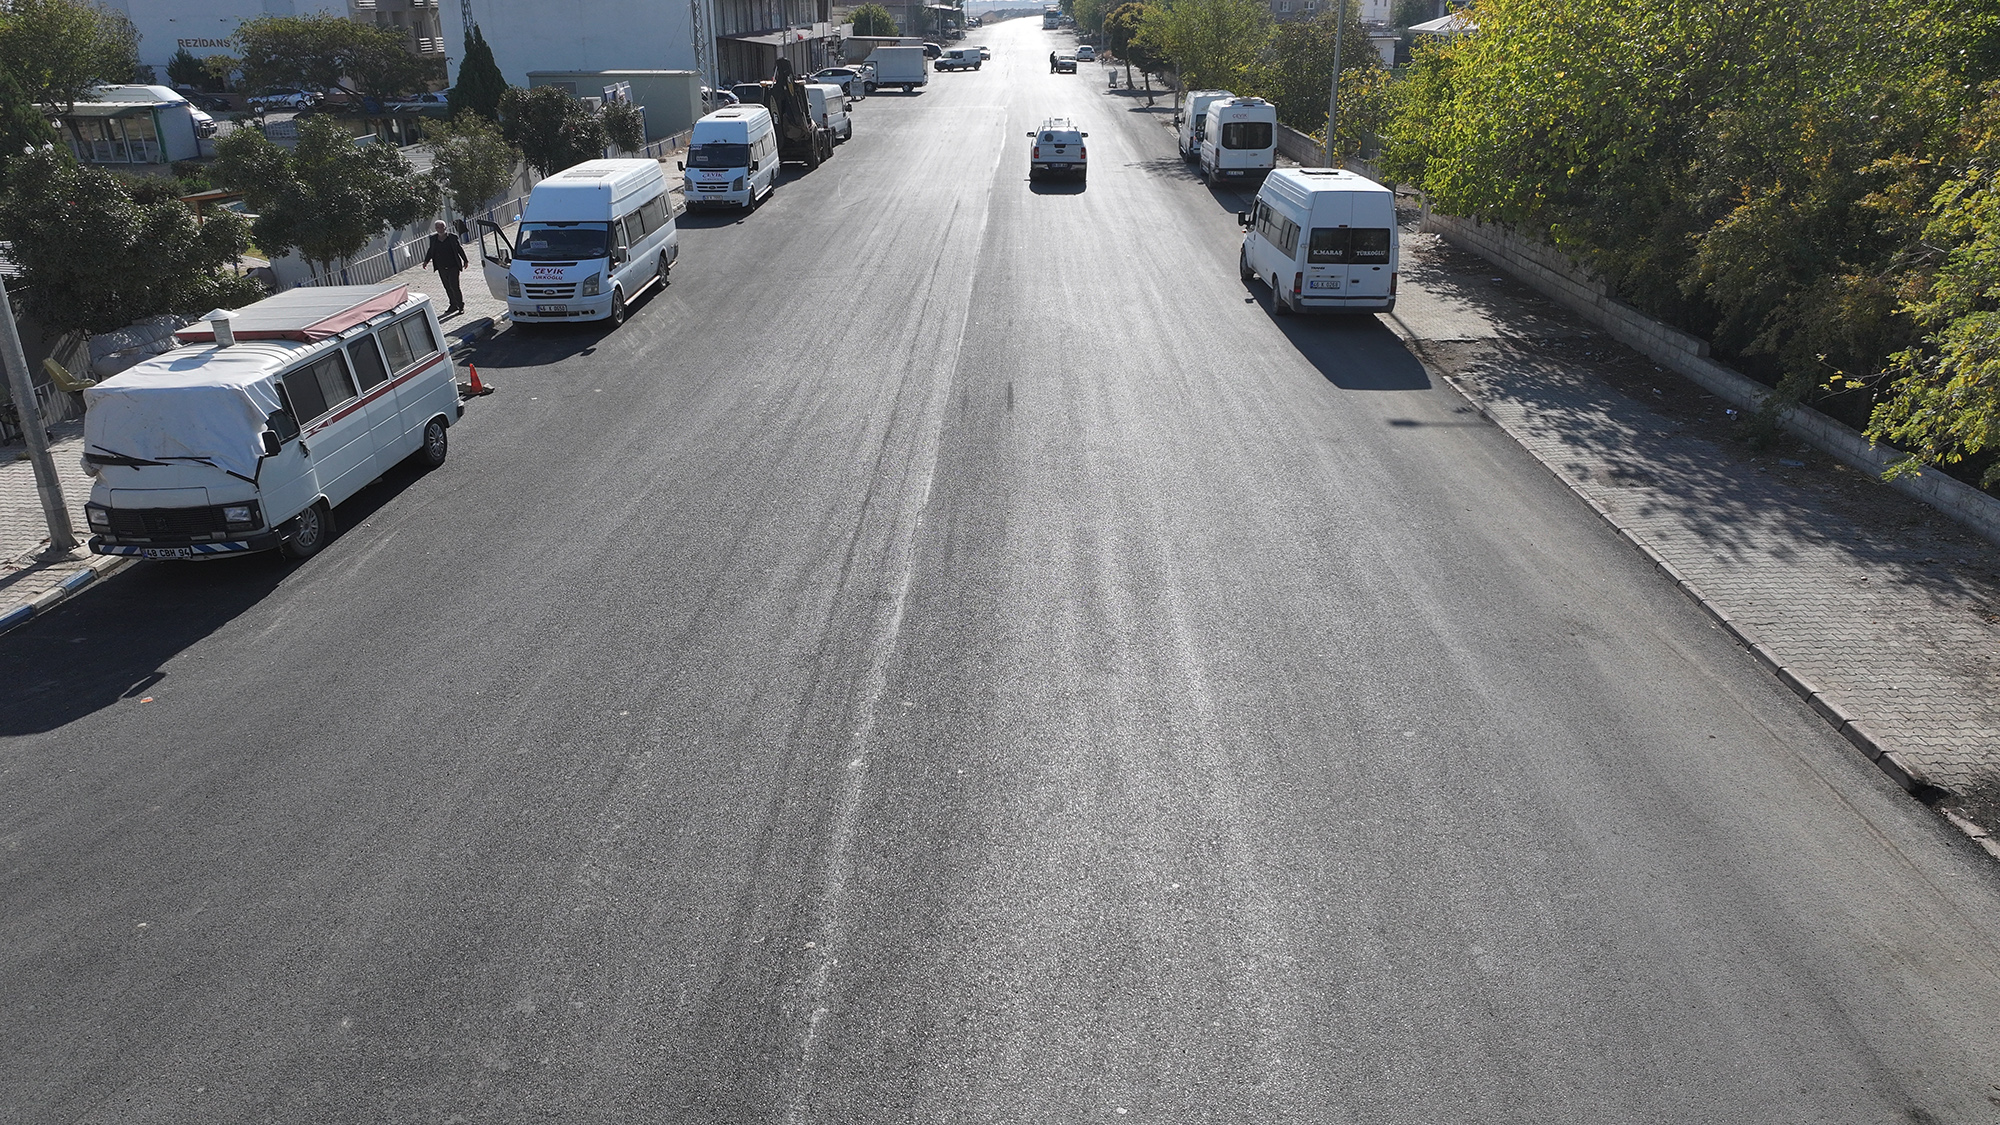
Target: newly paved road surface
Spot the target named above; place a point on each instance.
(954, 657)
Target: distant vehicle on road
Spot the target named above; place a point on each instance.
(1051, 18)
(593, 237)
(732, 157)
(1057, 150)
(933, 50)
(986, 53)
(1240, 141)
(901, 66)
(1194, 120)
(283, 97)
(1065, 64)
(202, 452)
(1324, 240)
(829, 109)
(851, 80)
(960, 58)
(1086, 53)
(414, 103)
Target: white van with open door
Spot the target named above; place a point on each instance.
(1239, 143)
(592, 238)
(247, 435)
(732, 158)
(1324, 240)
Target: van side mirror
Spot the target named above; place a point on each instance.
(1243, 219)
(1031, 132)
(618, 255)
(753, 165)
(1083, 134)
(282, 422)
(681, 165)
(272, 446)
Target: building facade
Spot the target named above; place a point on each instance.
(418, 21)
(203, 27)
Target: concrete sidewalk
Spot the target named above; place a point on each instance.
(1881, 613)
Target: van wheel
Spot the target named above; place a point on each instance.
(617, 306)
(1279, 306)
(435, 446)
(1243, 264)
(303, 535)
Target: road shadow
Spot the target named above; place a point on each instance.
(1056, 187)
(1353, 351)
(712, 218)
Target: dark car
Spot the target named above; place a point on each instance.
(932, 50)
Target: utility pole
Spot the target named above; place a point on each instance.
(61, 536)
(1333, 98)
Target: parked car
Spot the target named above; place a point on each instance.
(852, 80)
(933, 50)
(713, 100)
(208, 102)
(1065, 64)
(986, 53)
(959, 58)
(283, 97)
(1087, 53)
(417, 103)
(1057, 150)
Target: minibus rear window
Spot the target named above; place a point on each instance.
(1246, 134)
(563, 242)
(719, 154)
(1360, 245)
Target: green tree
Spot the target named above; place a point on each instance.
(316, 52)
(625, 126)
(183, 69)
(471, 161)
(24, 126)
(1212, 43)
(480, 83)
(95, 259)
(873, 19)
(56, 50)
(328, 197)
(1296, 73)
(1121, 28)
(1089, 15)
(552, 129)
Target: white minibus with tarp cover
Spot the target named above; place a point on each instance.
(1324, 239)
(247, 434)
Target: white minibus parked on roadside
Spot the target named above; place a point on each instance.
(1324, 240)
(592, 238)
(1240, 141)
(246, 436)
(732, 157)
(1193, 125)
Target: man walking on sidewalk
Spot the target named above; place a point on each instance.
(447, 257)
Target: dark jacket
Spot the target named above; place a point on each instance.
(445, 254)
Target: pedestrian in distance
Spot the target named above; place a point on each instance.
(447, 257)
(1052, 62)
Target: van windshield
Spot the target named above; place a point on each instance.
(719, 154)
(563, 242)
(1246, 134)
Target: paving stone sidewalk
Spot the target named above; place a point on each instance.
(1888, 609)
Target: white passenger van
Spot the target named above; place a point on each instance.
(1194, 120)
(593, 237)
(1324, 239)
(246, 435)
(1240, 140)
(732, 157)
(829, 109)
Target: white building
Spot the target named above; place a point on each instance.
(203, 27)
(744, 38)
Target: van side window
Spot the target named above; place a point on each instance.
(1371, 246)
(655, 212)
(396, 346)
(319, 388)
(408, 342)
(367, 360)
(1288, 238)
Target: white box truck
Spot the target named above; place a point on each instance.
(900, 66)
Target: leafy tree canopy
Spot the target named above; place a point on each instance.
(1213, 44)
(328, 197)
(1121, 27)
(625, 125)
(480, 83)
(873, 19)
(552, 129)
(1296, 72)
(471, 161)
(95, 259)
(56, 50)
(315, 52)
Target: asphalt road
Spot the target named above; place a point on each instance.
(954, 657)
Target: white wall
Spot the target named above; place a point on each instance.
(204, 26)
(603, 35)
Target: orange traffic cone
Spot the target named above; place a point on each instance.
(475, 388)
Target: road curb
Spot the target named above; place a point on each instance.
(1905, 774)
(65, 590)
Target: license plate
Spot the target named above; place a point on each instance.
(551, 308)
(168, 552)
(1323, 285)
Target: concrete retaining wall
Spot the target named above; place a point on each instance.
(1563, 280)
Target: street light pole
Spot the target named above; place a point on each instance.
(61, 536)
(1333, 98)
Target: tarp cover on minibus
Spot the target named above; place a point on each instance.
(203, 404)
